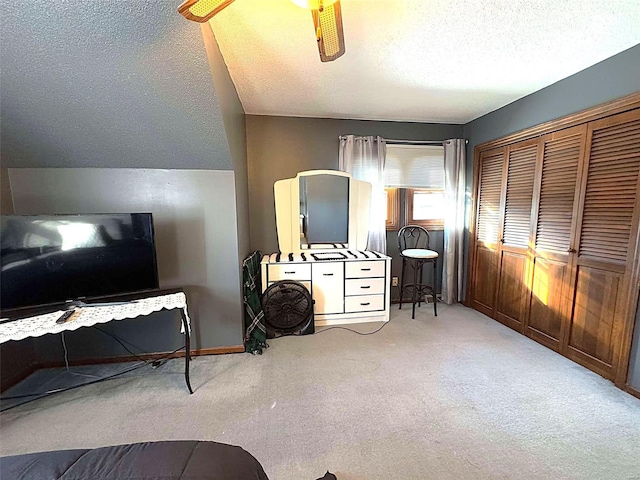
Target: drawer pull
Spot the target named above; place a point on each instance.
(328, 274)
(365, 286)
(365, 269)
(365, 304)
(290, 273)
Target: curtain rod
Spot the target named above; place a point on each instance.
(416, 142)
(409, 142)
(412, 142)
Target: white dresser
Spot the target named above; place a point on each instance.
(351, 289)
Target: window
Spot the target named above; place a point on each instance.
(415, 175)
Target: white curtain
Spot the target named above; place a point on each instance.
(454, 193)
(363, 158)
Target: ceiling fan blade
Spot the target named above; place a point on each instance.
(328, 23)
(202, 10)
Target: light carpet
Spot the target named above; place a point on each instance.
(454, 397)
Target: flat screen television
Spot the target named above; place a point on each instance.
(56, 258)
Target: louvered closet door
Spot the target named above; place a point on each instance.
(556, 198)
(514, 267)
(610, 210)
(489, 195)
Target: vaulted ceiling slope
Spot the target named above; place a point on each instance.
(447, 61)
(102, 83)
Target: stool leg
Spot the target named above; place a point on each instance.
(402, 282)
(433, 289)
(421, 279)
(413, 293)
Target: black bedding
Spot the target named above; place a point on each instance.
(172, 460)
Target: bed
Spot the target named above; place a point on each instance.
(170, 460)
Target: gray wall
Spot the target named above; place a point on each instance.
(280, 147)
(608, 80)
(195, 239)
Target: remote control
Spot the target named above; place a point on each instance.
(65, 316)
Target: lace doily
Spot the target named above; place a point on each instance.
(88, 316)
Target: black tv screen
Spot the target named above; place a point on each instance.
(57, 258)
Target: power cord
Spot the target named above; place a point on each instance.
(143, 362)
(66, 361)
(98, 380)
(59, 390)
(153, 363)
(354, 331)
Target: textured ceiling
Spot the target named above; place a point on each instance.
(447, 61)
(105, 83)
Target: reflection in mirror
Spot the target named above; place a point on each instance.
(324, 210)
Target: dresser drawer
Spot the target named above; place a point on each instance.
(292, 271)
(363, 303)
(306, 283)
(371, 268)
(363, 286)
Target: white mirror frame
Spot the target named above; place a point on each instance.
(287, 203)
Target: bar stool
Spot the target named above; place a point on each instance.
(413, 244)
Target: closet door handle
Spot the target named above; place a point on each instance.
(572, 250)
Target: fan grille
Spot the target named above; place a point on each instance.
(287, 305)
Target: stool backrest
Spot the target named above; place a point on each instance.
(413, 236)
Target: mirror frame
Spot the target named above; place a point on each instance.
(287, 204)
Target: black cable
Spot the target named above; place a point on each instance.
(355, 331)
(121, 342)
(66, 389)
(60, 390)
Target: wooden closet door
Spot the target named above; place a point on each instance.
(485, 264)
(556, 198)
(609, 215)
(512, 299)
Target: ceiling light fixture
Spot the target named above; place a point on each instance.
(327, 20)
(313, 4)
(202, 10)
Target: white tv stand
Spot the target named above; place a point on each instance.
(348, 286)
